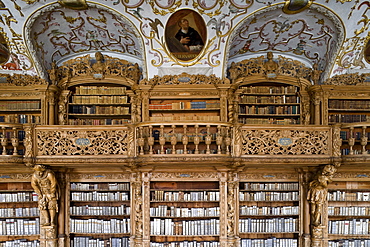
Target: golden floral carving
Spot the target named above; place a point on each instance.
(288, 142)
(349, 79)
(184, 79)
(192, 175)
(23, 80)
(89, 142)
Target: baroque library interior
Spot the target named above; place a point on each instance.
(184, 123)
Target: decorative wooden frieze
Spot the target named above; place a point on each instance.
(184, 175)
(284, 142)
(83, 142)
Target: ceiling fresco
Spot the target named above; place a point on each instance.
(332, 35)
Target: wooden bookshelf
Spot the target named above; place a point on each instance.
(269, 103)
(348, 213)
(100, 104)
(269, 213)
(99, 213)
(182, 212)
(19, 214)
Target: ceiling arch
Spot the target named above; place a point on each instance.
(56, 33)
(310, 36)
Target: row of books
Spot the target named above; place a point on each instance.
(19, 226)
(20, 118)
(346, 151)
(183, 117)
(21, 134)
(349, 243)
(188, 105)
(268, 225)
(187, 228)
(352, 227)
(269, 242)
(349, 211)
(19, 212)
(349, 104)
(277, 121)
(160, 195)
(269, 196)
(270, 89)
(254, 210)
(95, 99)
(358, 196)
(20, 105)
(345, 135)
(346, 118)
(20, 243)
(19, 197)
(100, 186)
(185, 244)
(97, 242)
(93, 210)
(100, 90)
(100, 226)
(108, 110)
(272, 109)
(270, 186)
(108, 121)
(166, 211)
(253, 99)
(100, 196)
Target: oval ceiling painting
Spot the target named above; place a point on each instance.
(4, 50)
(185, 34)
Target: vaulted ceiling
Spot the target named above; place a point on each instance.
(331, 34)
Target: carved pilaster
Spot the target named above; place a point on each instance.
(145, 105)
(337, 141)
(63, 107)
(316, 102)
(50, 98)
(237, 147)
(232, 211)
(223, 105)
(28, 143)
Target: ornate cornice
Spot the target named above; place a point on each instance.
(22, 80)
(350, 79)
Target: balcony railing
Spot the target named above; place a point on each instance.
(355, 138)
(183, 139)
(11, 139)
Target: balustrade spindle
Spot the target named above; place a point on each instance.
(363, 140)
(15, 141)
(173, 139)
(4, 141)
(196, 139)
(185, 139)
(150, 139)
(162, 139)
(140, 141)
(351, 141)
(219, 139)
(228, 140)
(208, 140)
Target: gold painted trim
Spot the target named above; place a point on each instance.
(288, 2)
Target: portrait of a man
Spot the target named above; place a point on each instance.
(185, 34)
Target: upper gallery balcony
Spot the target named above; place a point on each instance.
(182, 141)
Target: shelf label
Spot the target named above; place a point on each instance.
(285, 141)
(82, 142)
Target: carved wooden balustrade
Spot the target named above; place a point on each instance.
(287, 141)
(11, 139)
(83, 142)
(355, 138)
(184, 139)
